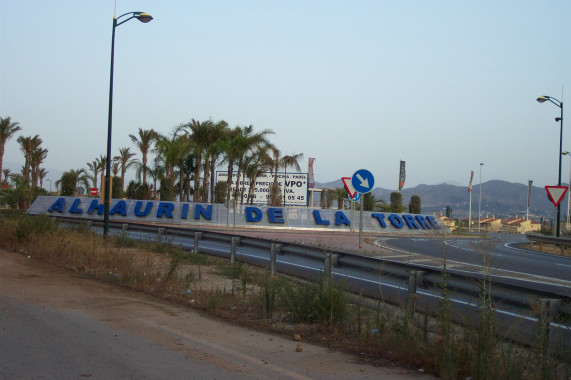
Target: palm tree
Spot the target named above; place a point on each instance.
(241, 140)
(69, 180)
(28, 145)
(42, 173)
(97, 166)
(157, 172)
(218, 132)
(261, 161)
(7, 173)
(115, 167)
(124, 158)
(340, 196)
(198, 135)
(174, 152)
(144, 141)
(287, 161)
(275, 196)
(7, 131)
(36, 159)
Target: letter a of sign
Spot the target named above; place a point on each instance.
(556, 193)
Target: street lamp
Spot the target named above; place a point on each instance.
(144, 18)
(480, 202)
(558, 103)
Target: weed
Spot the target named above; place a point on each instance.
(269, 292)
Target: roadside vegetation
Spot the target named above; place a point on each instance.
(320, 312)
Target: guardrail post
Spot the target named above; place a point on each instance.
(413, 278)
(327, 269)
(124, 230)
(233, 245)
(335, 259)
(548, 308)
(197, 237)
(274, 250)
(160, 233)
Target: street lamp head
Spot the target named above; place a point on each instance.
(557, 119)
(143, 17)
(542, 99)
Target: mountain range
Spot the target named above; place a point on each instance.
(500, 199)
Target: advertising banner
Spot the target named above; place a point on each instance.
(311, 178)
(292, 185)
(402, 175)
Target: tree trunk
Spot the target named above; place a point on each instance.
(196, 196)
(206, 182)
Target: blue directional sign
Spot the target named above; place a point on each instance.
(356, 198)
(363, 181)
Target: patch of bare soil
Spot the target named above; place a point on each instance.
(178, 328)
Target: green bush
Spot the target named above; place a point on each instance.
(27, 227)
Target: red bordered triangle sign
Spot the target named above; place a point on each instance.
(556, 193)
(349, 186)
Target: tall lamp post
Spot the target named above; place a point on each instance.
(144, 18)
(558, 103)
(480, 202)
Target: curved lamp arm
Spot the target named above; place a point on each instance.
(141, 16)
(543, 99)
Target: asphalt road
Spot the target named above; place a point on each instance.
(42, 343)
(502, 253)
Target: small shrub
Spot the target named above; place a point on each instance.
(315, 302)
(29, 227)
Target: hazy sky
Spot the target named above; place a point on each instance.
(442, 85)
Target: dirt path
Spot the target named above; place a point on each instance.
(183, 333)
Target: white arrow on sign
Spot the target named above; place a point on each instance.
(364, 181)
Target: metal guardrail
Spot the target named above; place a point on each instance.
(562, 242)
(516, 303)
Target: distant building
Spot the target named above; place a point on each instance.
(520, 225)
(515, 225)
(449, 222)
(492, 224)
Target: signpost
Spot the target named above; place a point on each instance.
(556, 195)
(363, 182)
(354, 196)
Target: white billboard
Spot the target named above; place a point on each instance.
(295, 187)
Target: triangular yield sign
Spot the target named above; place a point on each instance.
(349, 186)
(556, 193)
